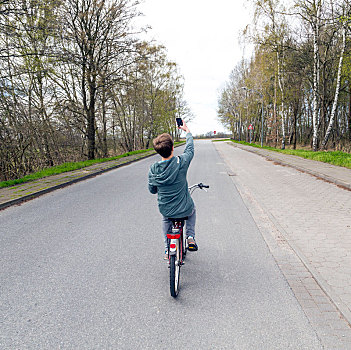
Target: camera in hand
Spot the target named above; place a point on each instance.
(179, 121)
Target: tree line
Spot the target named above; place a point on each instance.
(296, 88)
(77, 82)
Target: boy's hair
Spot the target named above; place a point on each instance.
(163, 145)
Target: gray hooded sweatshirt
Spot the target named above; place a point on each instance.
(168, 179)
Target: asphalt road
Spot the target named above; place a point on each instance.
(82, 268)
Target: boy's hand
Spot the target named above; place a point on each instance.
(184, 127)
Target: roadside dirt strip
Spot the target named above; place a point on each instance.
(306, 224)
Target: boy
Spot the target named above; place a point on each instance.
(167, 178)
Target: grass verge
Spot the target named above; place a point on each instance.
(332, 157)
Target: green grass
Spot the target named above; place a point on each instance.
(332, 157)
(65, 167)
(222, 140)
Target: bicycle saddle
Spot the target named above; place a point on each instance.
(178, 219)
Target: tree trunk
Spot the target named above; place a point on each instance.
(281, 87)
(296, 111)
(337, 90)
(316, 69)
(91, 134)
(91, 79)
(275, 112)
(239, 130)
(104, 124)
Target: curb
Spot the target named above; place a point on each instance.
(318, 175)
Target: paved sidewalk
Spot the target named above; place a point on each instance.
(28, 190)
(306, 223)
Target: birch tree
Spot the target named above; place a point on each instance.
(311, 12)
(274, 37)
(344, 26)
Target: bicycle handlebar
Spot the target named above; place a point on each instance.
(200, 186)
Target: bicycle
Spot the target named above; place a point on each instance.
(177, 247)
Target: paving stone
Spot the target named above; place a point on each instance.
(326, 307)
(342, 325)
(320, 299)
(303, 296)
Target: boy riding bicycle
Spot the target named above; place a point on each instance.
(167, 178)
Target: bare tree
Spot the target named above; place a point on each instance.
(96, 36)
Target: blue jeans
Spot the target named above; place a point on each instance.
(190, 226)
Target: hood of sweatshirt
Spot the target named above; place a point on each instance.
(164, 172)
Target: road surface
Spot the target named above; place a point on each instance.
(82, 268)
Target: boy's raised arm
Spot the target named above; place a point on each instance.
(188, 153)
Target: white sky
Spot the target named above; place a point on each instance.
(202, 37)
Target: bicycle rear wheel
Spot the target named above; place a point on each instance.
(174, 273)
(184, 243)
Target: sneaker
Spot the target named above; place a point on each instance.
(166, 255)
(192, 246)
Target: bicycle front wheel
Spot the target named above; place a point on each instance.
(174, 274)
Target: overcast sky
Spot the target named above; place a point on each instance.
(202, 37)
